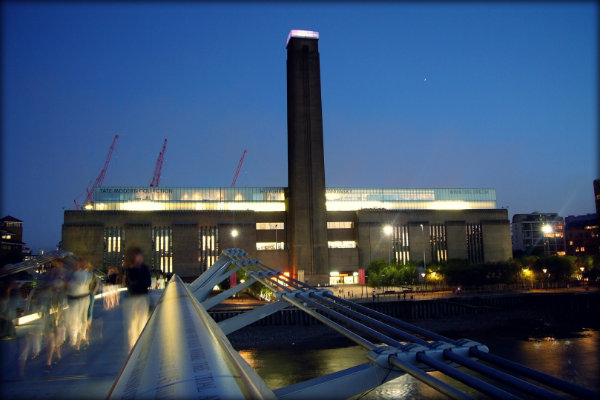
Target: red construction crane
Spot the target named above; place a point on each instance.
(239, 167)
(100, 179)
(158, 167)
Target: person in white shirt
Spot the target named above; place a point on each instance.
(78, 291)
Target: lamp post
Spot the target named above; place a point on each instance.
(388, 230)
(548, 230)
(423, 234)
(423, 275)
(276, 247)
(234, 234)
(545, 270)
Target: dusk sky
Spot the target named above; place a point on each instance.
(414, 96)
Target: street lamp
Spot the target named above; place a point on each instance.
(423, 275)
(548, 230)
(544, 270)
(388, 230)
(234, 234)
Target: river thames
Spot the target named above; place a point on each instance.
(575, 359)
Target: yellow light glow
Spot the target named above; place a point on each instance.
(388, 230)
(449, 205)
(28, 318)
(334, 273)
(241, 206)
(142, 206)
(333, 205)
(88, 206)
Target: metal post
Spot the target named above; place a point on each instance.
(423, 234)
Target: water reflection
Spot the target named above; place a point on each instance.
(573, 359)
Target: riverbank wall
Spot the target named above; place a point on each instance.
(572, 304)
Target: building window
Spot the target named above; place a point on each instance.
(437, 239)
(208, 246)
(340, 225)
(261, 226)
(162, 249)
(270, 245)
(474, 243)
(400, 244)
(114, 244)
(342, 244)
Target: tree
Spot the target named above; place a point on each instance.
(559, 268)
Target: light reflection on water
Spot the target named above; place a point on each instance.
(573, 359)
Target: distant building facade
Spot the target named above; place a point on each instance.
(11, 236)
(312, 231)
(582, 235)
(538, 233)
(183, 230)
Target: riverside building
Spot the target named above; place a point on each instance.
(314, 232)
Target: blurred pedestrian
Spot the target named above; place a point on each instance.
(78, 297)
(93, 289)
(53, 311)
(136, 306)
(8, 291)
(110, 289)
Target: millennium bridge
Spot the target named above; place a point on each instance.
(183, 353)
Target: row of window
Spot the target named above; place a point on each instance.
(280, 225)
(339, 244)
(269, 226)
(162, 249)
(270, 245)
(438, 243)
(208, 244)
(340, 225)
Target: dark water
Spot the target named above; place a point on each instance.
(575, 359)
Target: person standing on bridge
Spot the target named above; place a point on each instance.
(136, 307)
(78, 296)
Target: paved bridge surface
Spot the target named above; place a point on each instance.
(89, 374)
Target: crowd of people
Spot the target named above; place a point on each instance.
(64, 297)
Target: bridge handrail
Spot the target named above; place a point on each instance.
(181, 352)
(36, 262)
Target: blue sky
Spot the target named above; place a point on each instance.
(435, 95)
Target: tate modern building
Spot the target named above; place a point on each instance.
(317, 233)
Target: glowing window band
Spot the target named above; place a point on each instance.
(265, 199)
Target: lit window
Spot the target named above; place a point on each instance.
(342, 244)
(260, 226)
(270, 245)
(340, 225)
